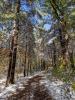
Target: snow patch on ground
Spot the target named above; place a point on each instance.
(19, 84)
(58, 89)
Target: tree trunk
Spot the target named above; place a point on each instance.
(25, 61)
(54, 56)
(64, 38)
(71, 59)
(13, 51)
(10, 61)
(25, 65)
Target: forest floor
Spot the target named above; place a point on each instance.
(41, 86)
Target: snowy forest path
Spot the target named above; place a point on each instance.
(33, 90)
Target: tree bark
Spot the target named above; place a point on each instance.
(25, 61)
(62, 30)
(13, 51)
(71, 60)
(54, 55)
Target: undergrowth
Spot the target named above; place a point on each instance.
(65, 75)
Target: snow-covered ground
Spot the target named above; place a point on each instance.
(11, 89)
(58, 89)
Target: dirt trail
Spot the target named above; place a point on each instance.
(33, 91)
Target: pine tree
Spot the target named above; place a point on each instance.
(13, 49)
